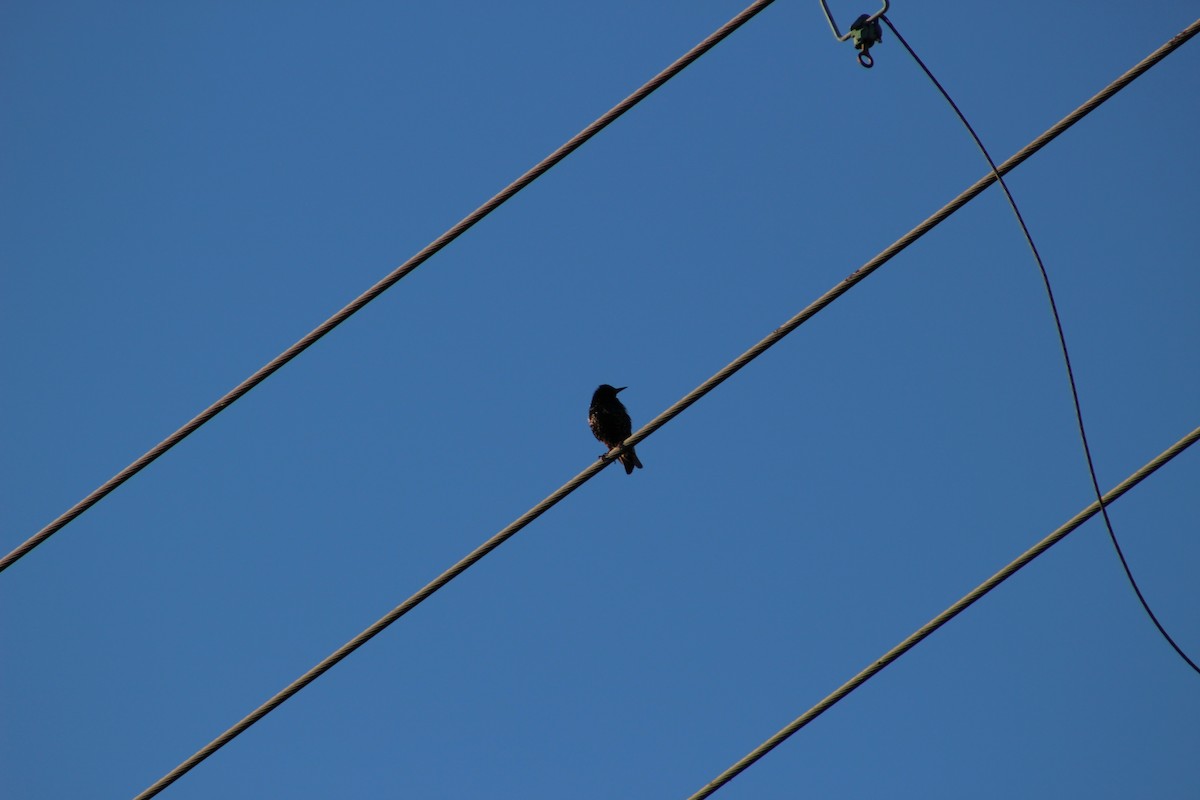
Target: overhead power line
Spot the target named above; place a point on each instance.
(1062, 341)
(379, 288)
(663, 418)
(941, 619)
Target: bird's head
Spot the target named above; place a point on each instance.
(606, 391)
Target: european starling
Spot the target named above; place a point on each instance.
(610, 424)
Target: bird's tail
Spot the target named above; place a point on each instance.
(629, 460)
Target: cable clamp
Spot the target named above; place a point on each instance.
(865, 31)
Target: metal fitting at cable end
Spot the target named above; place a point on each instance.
(866, 31)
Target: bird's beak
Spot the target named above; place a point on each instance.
(618, 391)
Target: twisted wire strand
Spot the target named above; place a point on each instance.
(652, 426)
(941, 619)
(383, 285)
(1098, 506)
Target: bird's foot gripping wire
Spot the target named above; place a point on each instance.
(866, 32)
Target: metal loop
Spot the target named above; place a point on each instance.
(865, 59)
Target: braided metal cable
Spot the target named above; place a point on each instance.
(662, 419)
(386, 283)
(941, 619)
(916, 233)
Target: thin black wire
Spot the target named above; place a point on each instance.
(1062, 340)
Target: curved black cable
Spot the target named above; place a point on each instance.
(1062, 340)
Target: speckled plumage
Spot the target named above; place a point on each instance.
(610, 423)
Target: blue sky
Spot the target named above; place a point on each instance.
(186, 191)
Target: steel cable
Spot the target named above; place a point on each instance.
(1099, 506)
(663, 418)
(941, 619)
(379, 288)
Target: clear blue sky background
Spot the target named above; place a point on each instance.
(185, 191)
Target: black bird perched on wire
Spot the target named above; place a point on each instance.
(610, 423)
